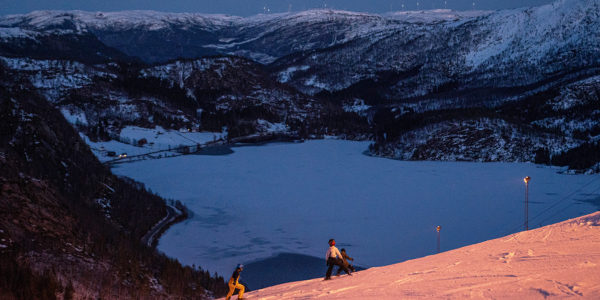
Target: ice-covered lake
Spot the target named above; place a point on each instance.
(264, 200)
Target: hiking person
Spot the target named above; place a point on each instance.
(345, 258)
(234, 283)
(334, 258)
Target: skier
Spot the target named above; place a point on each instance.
(345, 258)
(235, 284)
(334, 257)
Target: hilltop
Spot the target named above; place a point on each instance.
(555, 261)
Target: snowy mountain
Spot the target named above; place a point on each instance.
(263, 38)
(393, 77)
(415, 54)
(560, 260)
(137, 33)
(409, 54)
(512, 85)
(474, 60)
(207, 94)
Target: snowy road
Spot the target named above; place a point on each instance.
(172, 214)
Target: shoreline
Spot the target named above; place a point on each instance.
(151, 238)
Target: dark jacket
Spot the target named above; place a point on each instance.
(235, 277)
(345, 257)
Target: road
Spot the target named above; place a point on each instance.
(150, 236)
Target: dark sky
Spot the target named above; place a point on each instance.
(253, 7)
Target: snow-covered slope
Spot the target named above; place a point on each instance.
(148, 35)
(427, 52)
(452, 57)
(263, 38)
(54, 78)
(556, 261)
(82, 21)
(488, 140)
(575, 109)
(226, 94)
(235, 79)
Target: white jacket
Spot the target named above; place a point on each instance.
(333, 252)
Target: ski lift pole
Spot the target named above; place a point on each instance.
(527, 179)
(438, 229)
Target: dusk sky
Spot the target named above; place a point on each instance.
(253, 7)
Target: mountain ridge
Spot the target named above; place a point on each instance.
(403, 68)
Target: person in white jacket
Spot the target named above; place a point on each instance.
(334, 257)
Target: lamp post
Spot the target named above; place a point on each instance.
(438, 237)
(527, 179)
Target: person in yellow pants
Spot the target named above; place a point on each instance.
(234, 283)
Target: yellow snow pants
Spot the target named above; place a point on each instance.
(232, 286)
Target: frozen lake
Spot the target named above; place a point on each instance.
(264, 200)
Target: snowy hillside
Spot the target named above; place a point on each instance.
(394, 76)
(488, 140)
(206, 94)
(81, 21)
(451, 58)
(54, 78)
(233, 77)
(556, 261)
(264, 38)
(425, 52)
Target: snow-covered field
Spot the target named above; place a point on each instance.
(160, 138)
(557, 262)
(156, 140)
(263, 200)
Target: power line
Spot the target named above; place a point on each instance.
(570, 204)
(566, 197)
(556, 203)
